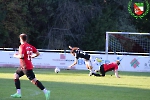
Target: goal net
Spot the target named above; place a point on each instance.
(128, 43)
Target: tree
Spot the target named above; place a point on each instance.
(12, 22)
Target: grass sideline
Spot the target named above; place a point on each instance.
(77, 85)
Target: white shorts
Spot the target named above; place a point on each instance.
(88, 62)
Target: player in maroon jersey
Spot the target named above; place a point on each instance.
(108, 67)
(26, 53)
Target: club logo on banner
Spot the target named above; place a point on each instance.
(62, 56)
(62, 59)
(134, 63)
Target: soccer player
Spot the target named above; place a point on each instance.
(25, 54)
(75, 51)
(108, 67)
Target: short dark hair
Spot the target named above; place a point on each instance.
(23, 36)
(118, 62)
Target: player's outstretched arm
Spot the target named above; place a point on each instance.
(116, 74)
(75, 62)
(73, 48)
(70, 47)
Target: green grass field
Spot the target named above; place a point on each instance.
(77, 85)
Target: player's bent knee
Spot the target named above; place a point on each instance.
(34, 81)
(16, 76)
(90, 67)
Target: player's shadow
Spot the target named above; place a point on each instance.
(72, 91)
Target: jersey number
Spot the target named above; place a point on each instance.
(29, 52)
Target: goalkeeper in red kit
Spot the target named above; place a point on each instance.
(25, 54)
(108, 67)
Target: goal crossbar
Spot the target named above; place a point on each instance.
(126, 34)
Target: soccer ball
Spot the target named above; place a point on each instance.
(57, 70)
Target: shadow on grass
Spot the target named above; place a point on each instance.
(135, 73)
(51, 71)
(72, 91)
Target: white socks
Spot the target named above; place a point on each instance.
(92, 71)
(45, 91)
(18, 91)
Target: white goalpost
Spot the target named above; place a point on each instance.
(128, 43)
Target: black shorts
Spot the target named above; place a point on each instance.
(102, 71)
(87, 57)
(29, 73)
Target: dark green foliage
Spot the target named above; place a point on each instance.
(55, 24)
